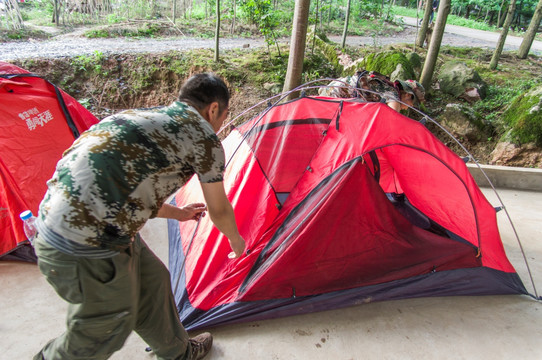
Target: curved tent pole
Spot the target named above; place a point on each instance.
(187, 252)
(281, 97)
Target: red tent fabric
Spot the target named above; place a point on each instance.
(340, 203)
(38, 122)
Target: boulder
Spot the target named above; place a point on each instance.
(524, 118)
(511, 154)
(462, 122)
(386, 62)
(457, 79)
(400, 73)
(274, 88)
(352, 67)
(416, 62)
(326, 49)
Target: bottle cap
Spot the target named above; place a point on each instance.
(27, 214)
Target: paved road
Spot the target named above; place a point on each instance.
(489, 37)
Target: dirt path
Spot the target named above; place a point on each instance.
(73, 44)
(480, 38)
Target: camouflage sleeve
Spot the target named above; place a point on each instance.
(209, 159)
(390, 95)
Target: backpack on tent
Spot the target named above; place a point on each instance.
(340, 203)
(379, 87)
(38, 121)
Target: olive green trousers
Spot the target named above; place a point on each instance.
(108, 298)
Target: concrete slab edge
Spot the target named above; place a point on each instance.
(507, 177)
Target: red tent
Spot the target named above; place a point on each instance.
(340, 203)
(38, 122)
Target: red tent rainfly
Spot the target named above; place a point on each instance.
(38, 121)
(340, 202)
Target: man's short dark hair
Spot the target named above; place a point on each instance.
(203, 89)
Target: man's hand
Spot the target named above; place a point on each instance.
(238, 247)
(188, 212)
(192, 211)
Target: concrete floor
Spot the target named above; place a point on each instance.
(489, 327)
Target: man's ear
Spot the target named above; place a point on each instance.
(214, 108)
(210, 111)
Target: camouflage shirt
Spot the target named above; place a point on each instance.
(118, 174)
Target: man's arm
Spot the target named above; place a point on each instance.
(183, 213)
(221, 213)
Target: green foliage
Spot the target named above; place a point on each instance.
(38, 13)
(498, 97)
(89, 63)
(254, 10)
(316, 66)
(140, 31)
(260, 13)
(86, 102)
(479, 14)
(115, 18)
(470, 23)
(97, 33)
(452, 19)
(367, 9)
(255, 67)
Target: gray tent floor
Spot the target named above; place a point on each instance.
(484, 327)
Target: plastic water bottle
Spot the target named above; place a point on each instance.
(29, 225)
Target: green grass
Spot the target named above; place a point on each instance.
(452, 19)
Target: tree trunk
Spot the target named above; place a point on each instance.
(425, 23)
(434, 46)
(502, 10)
(531, 32)
(392, 4)
(317, 19)
(234, 19)
(487, 15)
(56, 11)
(502, 38)
(174, 11)
(14, 13)
(519, 9)
(346, 20)
(297, 46)
(330, 13)
(217, 30)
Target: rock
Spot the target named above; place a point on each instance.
(416, 62)
(353, 67)
(471, 95)
(510, 154)
(246, 46)
(400, 73)
(524, 117)
(328, 50)
(462, 122)
(386, 62)
(274, 88)
(457, 79)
